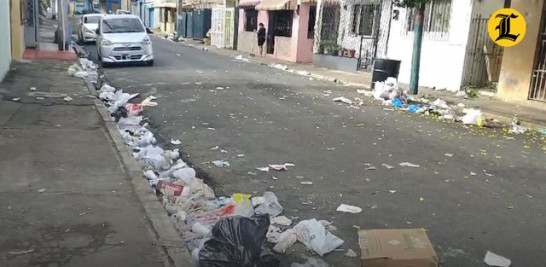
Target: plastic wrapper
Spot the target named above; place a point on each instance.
(238, 242)
(270, 206)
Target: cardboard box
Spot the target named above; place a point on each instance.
(396, 248)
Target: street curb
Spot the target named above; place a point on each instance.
(166, 235)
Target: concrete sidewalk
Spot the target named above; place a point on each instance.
(530, 116)
(67, 200)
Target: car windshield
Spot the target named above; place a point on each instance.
(91, 19)
(121, 25)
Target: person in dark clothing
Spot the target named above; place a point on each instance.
(261, 38)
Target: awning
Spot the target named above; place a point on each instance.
(249, 3)
(276, 5)
(168, 5)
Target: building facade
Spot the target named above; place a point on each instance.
(522, 77)
(290, 28)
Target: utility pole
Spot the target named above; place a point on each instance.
(417, 43)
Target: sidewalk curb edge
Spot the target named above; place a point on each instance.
(167, 236)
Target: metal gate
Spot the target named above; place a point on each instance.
(222, 21)
(368, 43)
(483, 58)
(538, 81)
(31, 21)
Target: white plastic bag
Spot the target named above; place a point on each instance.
(313, 234)
(270, 206)
(473, 116)
(184, 174)
(285, 240)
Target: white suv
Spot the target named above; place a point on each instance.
(123, 39)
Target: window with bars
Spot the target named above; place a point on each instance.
(282, 25)
(364, 18)
(251, 20)
(437, 16)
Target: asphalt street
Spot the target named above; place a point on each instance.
(474, 190)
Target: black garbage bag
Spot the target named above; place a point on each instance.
(121, 112)
(238, 242)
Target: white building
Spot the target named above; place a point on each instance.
(456, 49)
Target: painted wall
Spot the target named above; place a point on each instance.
(518, 61)
(5, 42)
(442, 60)
(302, 47)
(17, 31)
(248, 41)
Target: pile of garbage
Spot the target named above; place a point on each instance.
(88, 70)
(390, 94)
(216, 229)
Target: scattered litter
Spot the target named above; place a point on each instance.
(312, 262)
(68, 99)
(510, 206)
(40, 98)
(32, 88)
(371, 168)
(215, 148)
(219, 88)
(473, 117)
(387, 166)
(175, 142)
(16, 99)
(281, 167)
(220, 163)
(473, 173)
(313, 235)
(516, 127)
(541, 131)
(41, 190)
(240, 155)
(421, 199)
(281, 220)
(21, 252)
(237, 241)
(306, 183)
(493, 259)
(263, 169)
(279, 66)
(274, 178)
(270, 206)
(392, 191)
(409, 164)
(390, 248)
(343, 100)
(241, 58)
(448, 155)
(349, 208)
(81, 214)
(351, 253)
(223, 151)
(251, 173)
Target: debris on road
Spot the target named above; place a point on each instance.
(409, 164)
(449, 155)
(391, 248)
(41, 190)
(351, 253)
(392, 191)
(175, 142)
(68, 99)
(270, 206)
(312, 262)
(493, 259)
(281, 167)
(371, 168)
(263, 169)
(349, 208)
(241, 58)
(281, 220)
(387, 166)
(21, 252)
(220, 163)
(238, 241)
(343, 100)
(306, 183)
